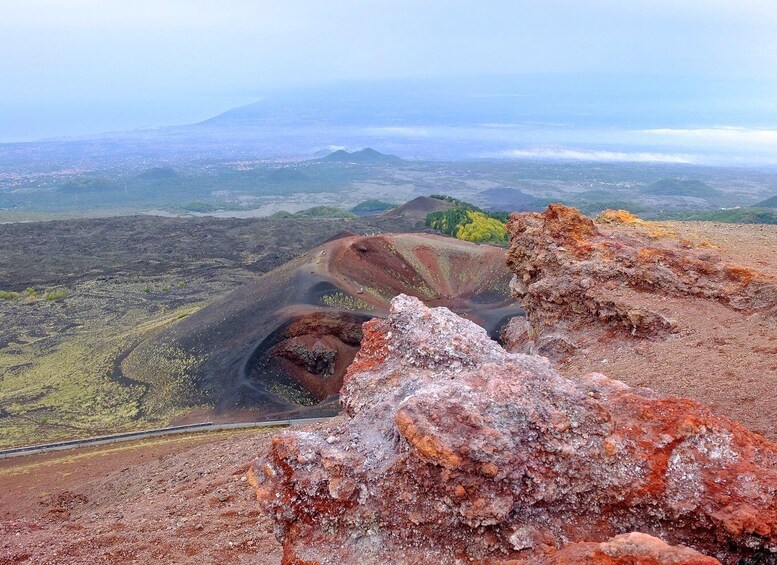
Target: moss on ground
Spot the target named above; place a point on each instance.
(343, 301)
(293, 394)
(67, 389)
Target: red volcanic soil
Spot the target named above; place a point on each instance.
(171, 500)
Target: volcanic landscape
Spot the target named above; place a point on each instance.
(499, 441)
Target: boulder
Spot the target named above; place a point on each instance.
(453, 450)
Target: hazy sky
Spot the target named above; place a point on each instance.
(78, 66)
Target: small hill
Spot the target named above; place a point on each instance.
(372, 206)
(768, 203)
(158, 174)
(366, 156)
(419, 208)
(507, 199)
(681, 187)
(326, 212)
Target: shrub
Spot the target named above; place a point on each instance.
(482, 229)
(55, 295)
(470, 223)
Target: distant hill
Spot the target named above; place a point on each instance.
(768, 203)
(326, 212)
(158, 173)
(419, 208)
(367, 155)
(510, 199)
(731, 216)
(681, 187)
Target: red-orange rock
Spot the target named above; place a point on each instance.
(579, 283)
(456, 451)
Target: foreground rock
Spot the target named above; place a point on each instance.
(457, 451)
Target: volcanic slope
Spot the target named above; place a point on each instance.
(280, 346)
(418, 208)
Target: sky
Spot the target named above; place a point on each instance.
(72, 67)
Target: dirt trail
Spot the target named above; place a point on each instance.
(173, 500)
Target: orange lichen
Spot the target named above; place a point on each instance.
(659, 232)
(568, 222)
(618, 217)
(427, 445)
(648, 254)
(742, 274)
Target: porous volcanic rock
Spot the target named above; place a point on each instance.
(580, 283)
(454, 450)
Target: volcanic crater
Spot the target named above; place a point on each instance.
(281, 345)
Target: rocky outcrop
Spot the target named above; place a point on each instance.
(456, 451)
(580, 281)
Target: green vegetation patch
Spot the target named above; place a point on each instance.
(482, 228)
(55, 295)
(33, 295)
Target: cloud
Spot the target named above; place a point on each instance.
(598, 156)
(722, 134)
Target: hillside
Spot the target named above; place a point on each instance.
(768, 203)
(667, 305)
(372, 206)
(418, 208)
